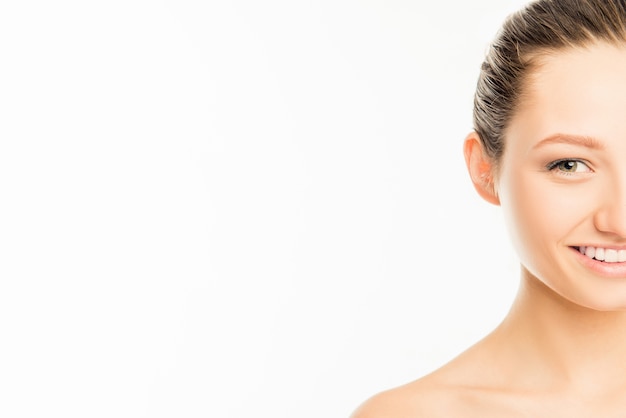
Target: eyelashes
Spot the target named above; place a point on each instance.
(568, 166)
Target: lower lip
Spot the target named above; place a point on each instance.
(611, 270)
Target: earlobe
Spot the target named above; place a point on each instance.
(481, 168)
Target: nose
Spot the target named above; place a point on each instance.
(611, 215)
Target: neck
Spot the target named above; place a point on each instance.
(564, 343)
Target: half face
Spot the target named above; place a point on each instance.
(562, 179)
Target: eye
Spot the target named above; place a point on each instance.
(569, 166)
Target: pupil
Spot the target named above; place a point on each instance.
(569, 165)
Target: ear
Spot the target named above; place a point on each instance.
(481, 168)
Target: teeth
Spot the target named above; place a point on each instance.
(599, 254)
(607, 255)
(610, 256)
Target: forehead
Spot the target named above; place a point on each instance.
(577, 91)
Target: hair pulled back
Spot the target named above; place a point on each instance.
(542, 27)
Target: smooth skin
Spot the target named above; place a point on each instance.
(561, 184)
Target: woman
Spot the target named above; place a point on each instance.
(549, 147)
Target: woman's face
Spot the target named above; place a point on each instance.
(562, 179)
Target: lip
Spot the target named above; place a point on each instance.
(609, 270)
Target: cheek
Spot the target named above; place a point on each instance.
(541, 214)
(529, 216)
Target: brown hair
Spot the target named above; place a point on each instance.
(543, 26)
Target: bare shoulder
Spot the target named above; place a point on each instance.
(459, 388)
(425, 397)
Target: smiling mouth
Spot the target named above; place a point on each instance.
(606, 255)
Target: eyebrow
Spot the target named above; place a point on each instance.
(583, 141)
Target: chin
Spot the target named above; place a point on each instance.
(614, 303)
(586, 291)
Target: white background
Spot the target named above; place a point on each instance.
(239, 208)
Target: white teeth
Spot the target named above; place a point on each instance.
(607, 255)
(599, 254)
(610, 256)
